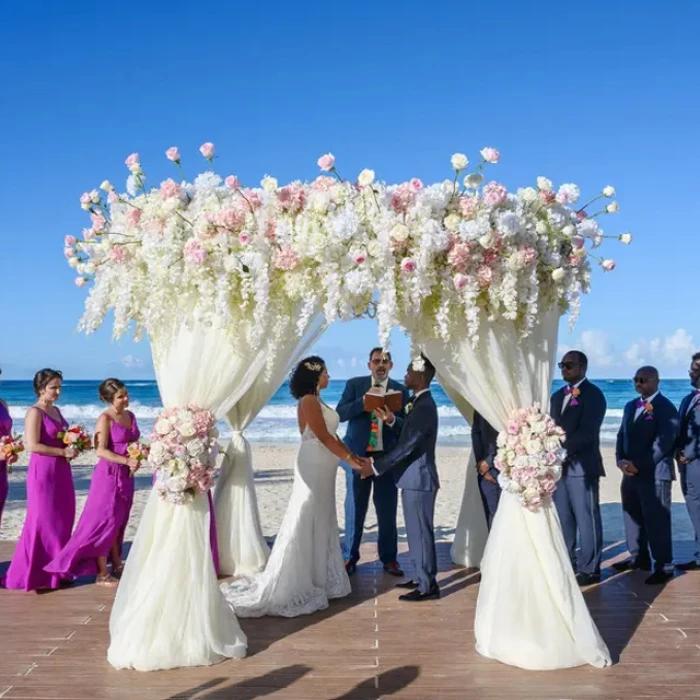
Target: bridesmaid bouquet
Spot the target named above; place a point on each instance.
(137, 450)
(183, 452)
(77, 437)
(530, 455)
(10, 445)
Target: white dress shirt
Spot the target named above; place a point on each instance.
(568, 397)
(639, 410)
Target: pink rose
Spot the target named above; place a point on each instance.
(112, 197)
(286, 259)
(460, 280)
(408, 265)
(133, 216)
(169, 189)
(232, 182)
(98, 222)
(70, 240)
(173, 154)
(581, 215)
(194, 251)
(459, 256)
(547, 197)
(80, 281)
(490, 155)
(207, 150)
(232, 219)
(484, 274)
(607, 264)
(326, 162)
(494, 194)
(323, 183)
(244, 238)
(85, 200)
(132, 160)
(88, 234)
(416, 184)
(468, 206)
(291, 198)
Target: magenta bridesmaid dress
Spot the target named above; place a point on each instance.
(106, 513)
(5, 429)
(50, 514)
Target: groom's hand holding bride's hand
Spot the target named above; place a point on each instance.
(363, 465)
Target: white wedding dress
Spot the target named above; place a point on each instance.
(305, 569)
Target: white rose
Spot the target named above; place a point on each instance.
(558, 274)
(612, 208)
(608, 191)
(400, 233)
(269, 184)
(374, 248)
(473, 181)
(568, 230)
(528, 194)
(195, 448)
(365, 178)
(73, 262)
(177, 483)
(95, 197)
(107, 186)
(459, 161)
(486, 241)
(156, 453)
(544, 183)
(533, 447)
(452, 221)
(186, 429)
(541, 228)
(163, 426)
(626, 238)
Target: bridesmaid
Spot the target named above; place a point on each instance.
(5, 429)
(101, 527)
(50, 492)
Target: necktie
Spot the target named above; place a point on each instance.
(373, 430)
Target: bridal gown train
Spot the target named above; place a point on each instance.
(305, 569)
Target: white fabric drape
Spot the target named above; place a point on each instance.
(530, 611)
(242, 548)
(169, 611)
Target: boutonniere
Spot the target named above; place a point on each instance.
(574, 393)
(408, 408)
(648, 409)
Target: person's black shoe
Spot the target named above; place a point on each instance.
(407, 584)
(659, 577)
(631, 565)
(416, 596)
(688, 566)
(350, 567)
(587, 579)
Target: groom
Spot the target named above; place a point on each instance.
(412, 464)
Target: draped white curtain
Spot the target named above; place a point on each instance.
(530, 611)
(242, 548)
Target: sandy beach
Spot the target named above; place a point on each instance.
(274, 465)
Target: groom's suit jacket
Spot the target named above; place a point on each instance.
(412, 460)
(351, 409)
(689, 434)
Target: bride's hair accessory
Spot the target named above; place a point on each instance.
(313, 366)
(418, 364)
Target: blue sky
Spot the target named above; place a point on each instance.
(604, 96)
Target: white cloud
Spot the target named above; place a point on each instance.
(353, 362)
(131, 362)
(340, 362)
(596, 345)
(673, 351)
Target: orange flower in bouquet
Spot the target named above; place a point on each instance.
(76, 437)
(10, 446)
(139, 451)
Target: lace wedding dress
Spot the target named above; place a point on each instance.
(305, 569)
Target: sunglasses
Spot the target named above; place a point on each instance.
(568, 365)
(641, 380)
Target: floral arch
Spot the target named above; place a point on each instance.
(233, 284)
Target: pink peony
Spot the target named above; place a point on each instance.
(460, 280)
(323, 183)
(468, 206)
(232, 182)
(547, 197)
(194, 251)
(408, 265)
(490, 155)
(133, 216)
(291, 198)
(132, 160)
(169, 189)
(232, 219)
(530, 254)
(80, 281)
(326, 162)
(244, 238)
(402, 198)
(70, 240)
(459, 256)
(173, 154)
(484, 274)
(607, 264)
(207, 150)
(416, 184)
(118, 254)
(271, 230)
(494, 194)
(286, 259)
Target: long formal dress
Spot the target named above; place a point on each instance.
(106, 513)
(50, 514)
(5, 429)
(306, 568)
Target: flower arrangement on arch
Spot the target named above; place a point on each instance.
(183, 452)
(530, 456)
(443, 255)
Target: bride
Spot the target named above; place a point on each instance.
(305, 569)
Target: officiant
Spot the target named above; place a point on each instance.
(366, 435)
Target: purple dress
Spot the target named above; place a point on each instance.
(50, 514)
(5, 429)
(106, 513)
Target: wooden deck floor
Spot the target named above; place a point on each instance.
(368, 646)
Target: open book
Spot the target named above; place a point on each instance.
(393, 400)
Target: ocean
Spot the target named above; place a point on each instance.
(277, 421)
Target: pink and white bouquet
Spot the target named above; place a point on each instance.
(10, 446)
(183, 452)
(76, 437)
(530, 456)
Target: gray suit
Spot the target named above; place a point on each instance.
(412, 462)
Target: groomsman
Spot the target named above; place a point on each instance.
(645, 449)
(368, 436)
(484, 446)
(688, 456)
(579, 408)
